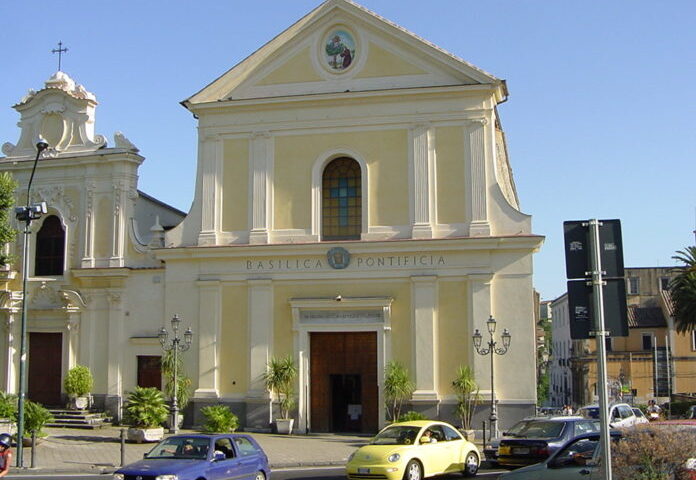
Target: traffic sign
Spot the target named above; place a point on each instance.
(577, 248)
(581, 308)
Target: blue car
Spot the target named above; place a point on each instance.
(200, 456)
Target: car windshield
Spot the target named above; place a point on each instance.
(541, 429)
(638, 412)
(396, 435)
(191, 448)
(590, 412)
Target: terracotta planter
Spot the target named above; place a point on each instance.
(284, 425)
(140, 435)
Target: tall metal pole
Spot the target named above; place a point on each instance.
(23, 349)
(26, 214)
(175, 404)
(175, 347)
(600, 334)
(494, 407)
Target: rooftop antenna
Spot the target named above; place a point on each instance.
(59, 51)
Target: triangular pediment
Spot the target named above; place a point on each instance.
(341, 46)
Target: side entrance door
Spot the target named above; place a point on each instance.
(343, 382)
(44, 369)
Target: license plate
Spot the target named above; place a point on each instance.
(504, 451)
(363, 470)
(520, 451)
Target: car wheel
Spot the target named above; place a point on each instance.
(260, 476)
(471, 464)
(413, 471)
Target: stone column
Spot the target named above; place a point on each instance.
(119, 226)
(210, 159)
(424, 338)
(209, 326)
(260, 351)
(476, 179)
(423, 195)
(261, 168)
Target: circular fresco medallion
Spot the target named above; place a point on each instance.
(339, 50)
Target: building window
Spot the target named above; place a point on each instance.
(150, 371)
(633, 285)
(609, 344)
(647, 341)
(341, 211)
(50, 247)
(664, 283)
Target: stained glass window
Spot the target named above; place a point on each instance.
(50, 247)
(341, 200)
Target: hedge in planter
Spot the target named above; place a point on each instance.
(219, 419)
(146, 408)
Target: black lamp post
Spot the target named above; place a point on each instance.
(175, 346)
(26, 214)
(492, 351)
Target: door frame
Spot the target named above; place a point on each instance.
(377, 319)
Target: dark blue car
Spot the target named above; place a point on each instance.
(540, 437)
(194, 457)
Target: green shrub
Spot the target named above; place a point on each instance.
(8, 405)
(146, 408)
(219, 419)
(78, 382)
(411, 416)
(35, 418)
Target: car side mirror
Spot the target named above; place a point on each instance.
(145, 455)
(218, 455)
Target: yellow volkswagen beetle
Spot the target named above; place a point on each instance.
(412, 451)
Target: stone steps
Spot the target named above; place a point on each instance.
(84, 419)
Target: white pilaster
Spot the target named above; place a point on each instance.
(119, 225)
(476, 205)
(9, 349)
(260, 171)
(424, 340)
(423, 182)
(210, 158)
(260, 334)
(73, 328)
(480, 308)
(209, 326)
(115, 343)
(88, 254)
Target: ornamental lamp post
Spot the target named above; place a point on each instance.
(26, 214)
(492, 351)
(175, 346)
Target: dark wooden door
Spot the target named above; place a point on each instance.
(150, 371)
(44, 372)
(343, 376)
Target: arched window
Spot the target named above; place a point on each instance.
(50, 248)
(341, 207)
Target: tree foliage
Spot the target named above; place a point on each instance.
(7, 233)
(467, 392)
(183, 385)
(398, 387)
(682, 289)
(280, 379)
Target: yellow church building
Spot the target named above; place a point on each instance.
(354, 206)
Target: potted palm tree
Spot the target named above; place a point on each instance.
(183, 384)
(36, 416)
(398, 388)
(280, 381)
(467, 391)
(78, 384)
(146, 410)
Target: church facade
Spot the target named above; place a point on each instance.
(354, 206)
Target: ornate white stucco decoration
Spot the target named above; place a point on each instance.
(120, 141)
(46, 297)
(63, 113)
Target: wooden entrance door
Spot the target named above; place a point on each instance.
(150, 371)
(44, 372)
(343, 382)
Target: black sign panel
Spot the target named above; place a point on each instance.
(576, 235)
(581, 308)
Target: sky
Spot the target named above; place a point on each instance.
(600, 122)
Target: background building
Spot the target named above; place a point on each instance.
(354, 206)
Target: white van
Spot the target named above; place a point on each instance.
(620, 414)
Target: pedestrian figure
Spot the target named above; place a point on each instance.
(5, 454)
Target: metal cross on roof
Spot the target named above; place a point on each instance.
(59, 51)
